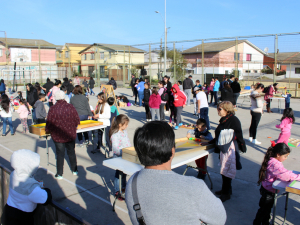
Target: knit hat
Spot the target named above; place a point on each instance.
(59, 95)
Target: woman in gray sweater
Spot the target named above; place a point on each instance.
(256, 111)
(81, 104)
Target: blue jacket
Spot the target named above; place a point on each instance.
(288, 98)
(2, 87)
(217, 86)
(140, 87)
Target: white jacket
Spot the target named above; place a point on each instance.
(105, 116)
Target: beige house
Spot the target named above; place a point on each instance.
(110, 60)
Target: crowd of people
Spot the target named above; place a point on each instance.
(68, 105)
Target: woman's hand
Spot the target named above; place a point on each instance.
(96, 116)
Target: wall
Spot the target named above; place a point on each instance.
(47, 55)
(290, 71)
(257, 60)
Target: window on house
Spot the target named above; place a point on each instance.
(297, 70)
(248, 57)
(92, 56)
(226, 71)
(84, 56)
(1, 52)
(255, 71)
(67, 54)
(110, 55)
(238, 55)
(59, 55)
(21, 59)
(101, 55)
(247, 71)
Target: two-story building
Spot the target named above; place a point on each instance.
(110, 60)
(220, 57)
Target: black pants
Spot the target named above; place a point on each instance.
(132, 88)
(135, 92)
(178, 115)
(211, 96)
(162, 111)
(226, 185)
(14, 216)
(265, 206)
(216, 97)
(148, 113)
(38, 121)
(60, 156)
(100, 135)
(268, 103)
(50, 104)
(86, 134)
(254, 124)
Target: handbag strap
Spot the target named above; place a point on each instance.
(136, 204)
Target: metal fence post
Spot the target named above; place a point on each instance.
(275, 64)
(174, 62)
(202, 61)
(236, 74)
(40, 69)
(150, 61)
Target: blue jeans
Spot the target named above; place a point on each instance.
(116, 181)
(8, 120)
(86, 134)
(216, 97)
(204, 115)
(287, 105)
(92, 92)
(141, 97)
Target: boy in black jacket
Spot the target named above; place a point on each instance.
(147, 93)
(40, 110)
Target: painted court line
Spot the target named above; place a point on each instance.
(80, 187)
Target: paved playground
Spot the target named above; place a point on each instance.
(90, 194)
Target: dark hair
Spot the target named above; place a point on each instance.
(115, 125)
(112, 78)
(65, 79)
(57, 82)
(2, 81)
(227, 85)
(153, 143)
(146, 83)
(37, 86)
(103, 98)
(110, 101)
(30, 87)
(141, 79)
(201, 122)
(161, 82)
(48, 79)
(198, 81)
(24, 102)
(167, 78)
(41, 96)
(64, 88)
(154, 91)
(236, 79)
(278, 149)
(91, 78)
(20, 95)
(5, 102)
(288, 113)
(77, 90)
(231, 76)
(216, 78)
(258, 85)
(180, 82)
(137, 80)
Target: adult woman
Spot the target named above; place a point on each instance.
(271, 90)
(55, 88)
(211, 89)
(236, 88)
(256, 111)
(161, 90)
(86, 85)
(92, 85)
(2, 87)
(140, 88)
(81, 104)
(229, 140)
(38, 88)
(168, 85)
(32, 95)
(6, 114)
(103, 114)
(227, 93)
(135, 90)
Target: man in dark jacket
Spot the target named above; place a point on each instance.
(132, 83)
(46, 87)
(113, 83)
(187, 88)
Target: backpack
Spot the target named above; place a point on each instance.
(266, 90)
(164, 96)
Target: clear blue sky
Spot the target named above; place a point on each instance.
(134, 21)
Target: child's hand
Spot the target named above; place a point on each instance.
(188, 135)
(202, 137)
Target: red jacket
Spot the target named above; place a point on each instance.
(154, 101)
(179, 97)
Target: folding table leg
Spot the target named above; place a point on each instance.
(286, 205)
(274, 208)
(187, 167)
(47, 150)
(211, 184)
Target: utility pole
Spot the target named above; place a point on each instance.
(129, 66)
(160, 55)
(236, 58)
(124, 68)
(275, 64)
(69, 59)
(174, 61)
(150, 63)
(165, 55)
(40, 68)
(202, 61)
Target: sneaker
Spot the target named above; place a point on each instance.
(176, 128)
(180, 124)
(110, 154)
(86, 142)
(13, 134)
(256, 142)
(224, 198)
(58, 177)
(75, 173)
(3, 135)
(95, 150)
(250, 139)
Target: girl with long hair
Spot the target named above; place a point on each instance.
(24, 111)
(6, 114)
(119, 140)
(286, 125)
(271, 170)
(103, 114)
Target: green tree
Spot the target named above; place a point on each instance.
(180, 63)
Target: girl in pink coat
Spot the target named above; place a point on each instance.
(271, 170)
(286, 125)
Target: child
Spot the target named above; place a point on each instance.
(201, 132)
(113, 109)
(172, 109)
(179, 83)
(147, 94)
(206, 89)
(271, 170)
(286, 125)
(119, 140)
(154, 104)
(25, 192)
(23, 111)
(179, 102)
(103, 114)
(135, 90)
(287, 99)
(65, 90)
(19, 96)
(40, 110)
(6, 114)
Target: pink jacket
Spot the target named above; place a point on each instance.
(270, 93)
(228, 162)
(160, 92)
(211, 86)
(154, 101)
(285, 126)
(276, 171)
(23, 112)
(76, 81)
(54, 90)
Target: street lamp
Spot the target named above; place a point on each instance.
(165, 50)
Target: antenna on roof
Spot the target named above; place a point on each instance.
(266, 50)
